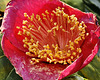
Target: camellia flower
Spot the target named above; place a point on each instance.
(47, 39)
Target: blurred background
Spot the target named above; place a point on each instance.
(90, 72)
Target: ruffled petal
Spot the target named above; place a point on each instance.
(27, 71)
(13, 46)
(89, 50)
(14, 16)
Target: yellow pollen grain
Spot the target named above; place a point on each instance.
(74, 53)
(19, 33)
(29, 26)
(31, 40)
(72, 28)
(48, 46)
(45, 55)
(65, 62)
(25, 45)
(46, 12)
(55, 62)
(24, 27)
(84, 25)
(72, 48)
(59, 7)
(26, 38)
(29, 54)
(66, 45)
(53, 45)
(43, 14)
(61, 61)
(69, 61)
(60, 26)
(79, 50)
(44, 18)
(80, 28)
(25, 21)
(28, 33)
(68, 54)
(38, 17)
(65, 15)
(48, 59)
(87, 34)
(25, 14)
(36, 60)
(83, 37)
(77, 56)
(39, 28)
(69, 51)
(62, 8)
(32, 26)
(55, 23)
(59, 52)
(75, 41)
(51, 20)
(72, 57)
(32, 17)
(49, 31)
(39, 56)
(52, 14)
(18, 27)
(63, 30)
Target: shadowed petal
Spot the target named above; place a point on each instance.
(27, 71)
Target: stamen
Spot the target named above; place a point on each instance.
(53, 37)
(25, 21)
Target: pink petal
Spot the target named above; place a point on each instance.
(89, 50)
(13, 46)
(14, 16)
(27, 71)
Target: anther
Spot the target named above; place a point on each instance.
(46, 12)
(39, 28)
(25, 14)
(74, 53)
(18, 27)
(66, 31)
(19, 33)
(25, 21)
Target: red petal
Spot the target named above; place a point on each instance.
(13, 46)
(75, 66)
(28, 71)
(89, 50)
(14, 16)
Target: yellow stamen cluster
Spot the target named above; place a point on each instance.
(54, 38)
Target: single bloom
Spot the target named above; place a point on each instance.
(48, 39)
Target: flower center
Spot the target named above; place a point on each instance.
(53, 37)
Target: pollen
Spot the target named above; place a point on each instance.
(53, 37)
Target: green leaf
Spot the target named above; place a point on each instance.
(74, 76)
(93, 6)
(13, 76)
(7, 71)
(75, 3)
(1, 52)
(5, 65)
(3, 4)
(5, 68)
(92, 70)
